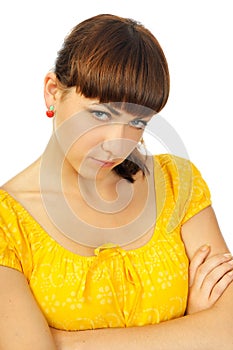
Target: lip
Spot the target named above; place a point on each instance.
(103, 163)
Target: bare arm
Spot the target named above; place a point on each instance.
(22, 325)
(209, 329)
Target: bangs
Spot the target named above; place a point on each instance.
(117, 61)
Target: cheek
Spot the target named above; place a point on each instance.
(134, 136)
(137, 135)
(100, 142)
(83, 146)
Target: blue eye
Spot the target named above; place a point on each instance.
(100, 115)
(138, 123)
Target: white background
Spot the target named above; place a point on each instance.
(197, 39)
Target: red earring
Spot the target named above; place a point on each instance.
(50, 112)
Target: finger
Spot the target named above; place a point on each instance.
(215, 276)
(211, 264)
(198, 259)
(221, 286)
(208, 266)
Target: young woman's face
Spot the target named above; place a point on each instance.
(95, 137)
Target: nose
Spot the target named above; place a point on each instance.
(117, 141)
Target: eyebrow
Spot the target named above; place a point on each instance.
(111, 109)
(115, 111)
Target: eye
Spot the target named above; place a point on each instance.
(138, 123)
(100, 115)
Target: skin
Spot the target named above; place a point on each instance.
(101, 127)
(208, 324)
(211, 292)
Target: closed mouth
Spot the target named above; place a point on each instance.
(104, 163)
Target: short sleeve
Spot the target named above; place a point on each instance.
(186, 192)
(8, 255)
(200, 196)
(15, 251)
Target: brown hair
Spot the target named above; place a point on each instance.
(117, 60)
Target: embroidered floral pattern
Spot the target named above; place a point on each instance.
(114, 288)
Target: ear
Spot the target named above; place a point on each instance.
(50, 89)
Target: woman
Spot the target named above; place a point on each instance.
(96, 235)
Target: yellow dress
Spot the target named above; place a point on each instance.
(115, 287)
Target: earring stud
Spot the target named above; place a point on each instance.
(50, 111)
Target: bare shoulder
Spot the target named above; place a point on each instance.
(25, 189)
(25, 182)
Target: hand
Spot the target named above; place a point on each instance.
(208, 278)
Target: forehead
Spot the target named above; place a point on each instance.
(116, 108)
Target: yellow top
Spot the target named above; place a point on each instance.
(114, 288)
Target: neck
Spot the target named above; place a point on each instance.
(58, 175)
(102, 187)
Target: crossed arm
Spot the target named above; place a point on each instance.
(207, 325)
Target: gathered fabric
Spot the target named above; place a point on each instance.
(114, 287)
